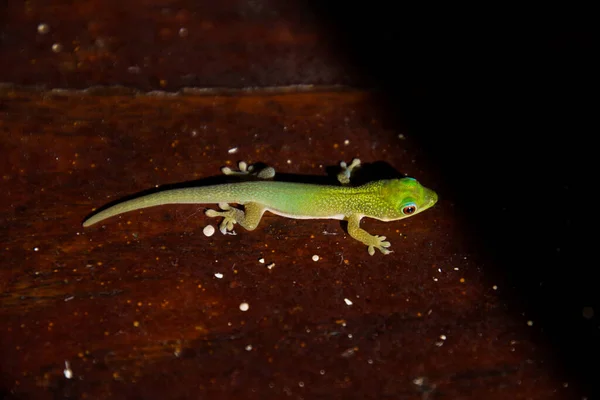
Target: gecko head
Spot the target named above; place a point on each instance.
(407, 197)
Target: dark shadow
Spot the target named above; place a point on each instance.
(501, 104)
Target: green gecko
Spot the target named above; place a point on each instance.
(385, 200)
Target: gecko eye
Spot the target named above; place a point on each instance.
(408, 209)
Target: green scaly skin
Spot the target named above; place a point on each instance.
(385, 200)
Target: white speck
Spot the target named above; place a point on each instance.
(439, 343)
(419, 381)
(194, 133)
(261, 260)
(244, 306)
(208, 230)
(370, 361)
(315, 258)
(440, 270)
(443, 337)
(349, 336)
(69, 298)
(271, 266)
(249, 347)
(346, 142)
(495, 287)
(530, 323)
(219, 275)
(67, 371)
(401, 136)
(301, 384)
(43, 29)
(36, 249)
(348, 302)
(183, 32)
(57, 47)
(322, 372)
(289, 161)
(435, 279)
(233, 150)
(349, 352)
(456, 268)
(134, 69)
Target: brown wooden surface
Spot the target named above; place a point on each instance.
(165, 44)
(134, 306)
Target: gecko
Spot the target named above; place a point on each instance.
(384, 200)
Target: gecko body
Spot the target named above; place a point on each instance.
(385, 200)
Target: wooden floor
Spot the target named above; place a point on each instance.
(146, 306)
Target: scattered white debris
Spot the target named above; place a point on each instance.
(249, 347)
(443, 337)
(495, 287)
(57, 47)
(419, 381)
(208, 230)
(289, 161)
(69, 298)
(36, 249)
(346, 142)
(271, 266)
(244, 306)
(233, 150)
(322, 372)
(301, 384)
(219, 275)
(530, 323)
(315, 258)
(401, 136)
(349, 352)
(43, 29)
(68, 371)
(261, 260)
(348, 302)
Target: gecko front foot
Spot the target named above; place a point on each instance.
(229, 215)
(245, 170)
(379, 243)
(347, 170)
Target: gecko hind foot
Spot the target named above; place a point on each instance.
(250, 170)
(229, 215)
